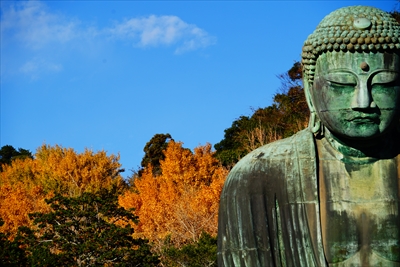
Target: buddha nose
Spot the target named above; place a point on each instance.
(362, 97)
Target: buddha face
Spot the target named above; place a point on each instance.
(357, 95)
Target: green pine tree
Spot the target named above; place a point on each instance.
(87, 230)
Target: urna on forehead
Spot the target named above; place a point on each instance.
(351, 29)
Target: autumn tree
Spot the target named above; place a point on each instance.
(9, 153)
(396, 11)
(17, 201)
(287, 115)
(88, 230)
(291, 101)
(26, 183)
(64, 170)
(181, 202)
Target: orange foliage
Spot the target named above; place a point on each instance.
(64, 170)
(16, 202)
(26, 183)
(183, 200)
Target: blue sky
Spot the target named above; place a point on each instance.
(108, 75)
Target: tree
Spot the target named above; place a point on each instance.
(9, 153)
(395, 13)
(181, 202)
(229, 150)
(153, 152)
(292, 102)
(202, 253)
(91, 229)
(295, 73)
(287, 115)
(11, 253)
(64, 170)
(16, 202)
(25, 183)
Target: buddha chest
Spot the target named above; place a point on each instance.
(359, 207)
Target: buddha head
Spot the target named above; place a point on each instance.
(351, 73)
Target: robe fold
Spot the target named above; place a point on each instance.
(269, 207)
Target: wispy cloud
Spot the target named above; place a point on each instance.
(33, 25)
(47, 36)
(37, 66)
(162, 30)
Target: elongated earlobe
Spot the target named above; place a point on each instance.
(315, 123)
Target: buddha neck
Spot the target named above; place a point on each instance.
(380, 148)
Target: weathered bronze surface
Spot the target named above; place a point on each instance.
(329, 195)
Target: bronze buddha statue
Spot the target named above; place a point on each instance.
(329, 195)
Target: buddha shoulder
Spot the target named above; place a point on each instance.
(272, 155)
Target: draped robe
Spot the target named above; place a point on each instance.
(270, 208)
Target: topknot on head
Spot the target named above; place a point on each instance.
(351, 29)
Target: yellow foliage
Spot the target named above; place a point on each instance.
(26, 183)
(183, 200)
(62, 169)
(17, 201)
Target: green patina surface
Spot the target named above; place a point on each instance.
(329, 195)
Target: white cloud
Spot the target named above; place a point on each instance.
(37, 66)
(34, 26)
(162, 30)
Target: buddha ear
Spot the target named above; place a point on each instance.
(314, 123)
(307, 86)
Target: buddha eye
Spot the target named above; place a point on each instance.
(385, 77)
(341, 78)
(341, 88)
